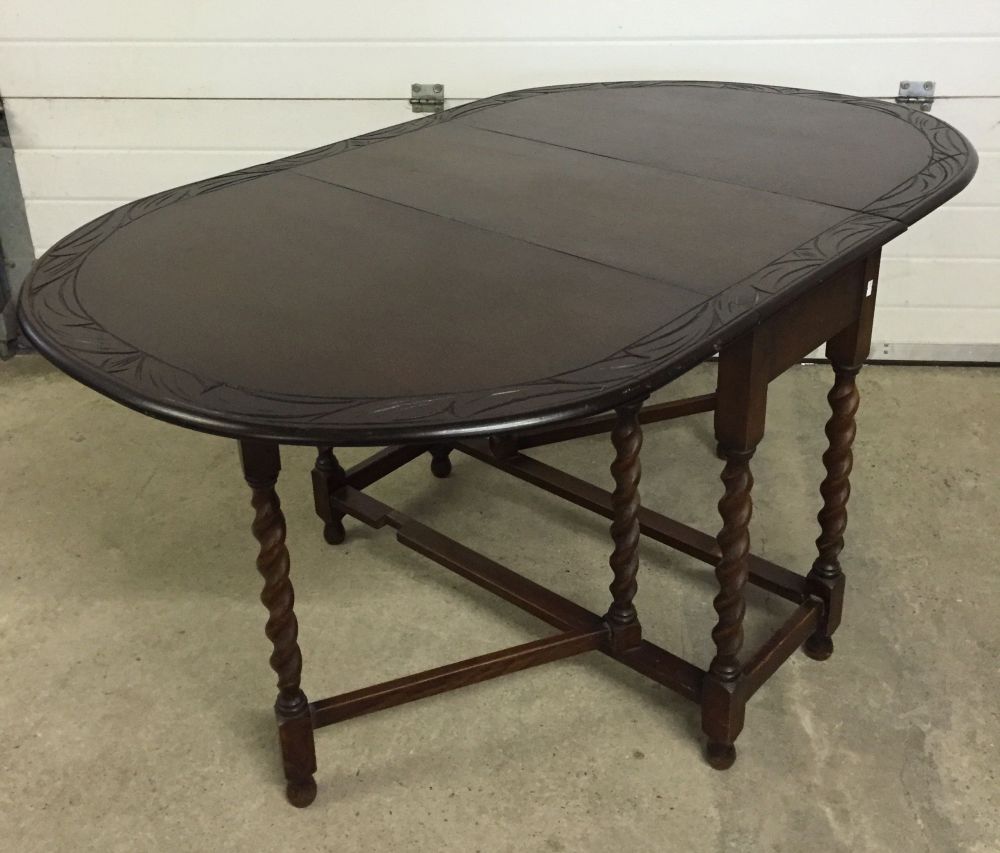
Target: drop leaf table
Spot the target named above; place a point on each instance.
(517, 271)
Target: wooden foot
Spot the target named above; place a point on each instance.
(440, 461)
(301, 794)
(261, 463)
(298, 752)
(818, 647)
(334, 532)
(723, 706)
(327, 477)
(721, 756)
(622, 619)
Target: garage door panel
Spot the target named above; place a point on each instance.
(967, 66)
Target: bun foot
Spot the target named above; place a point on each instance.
(301, 794)
(334, 532)
(440, 463)
(720, 755)
(818, 648)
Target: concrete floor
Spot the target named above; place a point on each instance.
(136, 709)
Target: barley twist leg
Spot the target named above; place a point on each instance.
(826, 575)
(722, 700)
(261, 464)
(622, 619)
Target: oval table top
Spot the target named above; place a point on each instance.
(535, 256)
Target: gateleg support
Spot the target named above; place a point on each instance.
(847, 350)
(261, 463)
(327, 477)
(741, 402)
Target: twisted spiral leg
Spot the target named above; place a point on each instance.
(328, 475)
(826, 574)
(722, 700)
(291, 707)
(838, 461)
(279, 598)
(626, 436)
(732, 570)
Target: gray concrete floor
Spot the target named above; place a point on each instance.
(136, 715)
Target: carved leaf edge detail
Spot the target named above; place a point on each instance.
(672, 348)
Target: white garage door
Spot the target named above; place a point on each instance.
(110, 100)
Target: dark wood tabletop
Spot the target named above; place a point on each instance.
(539, 255)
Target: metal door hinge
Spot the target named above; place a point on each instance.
(918, 94)
(427, 97)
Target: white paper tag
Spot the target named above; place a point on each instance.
(871, 287)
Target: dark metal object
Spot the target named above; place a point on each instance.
(508, 347)
(918, 94)
(427, 97)
(16, 252)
